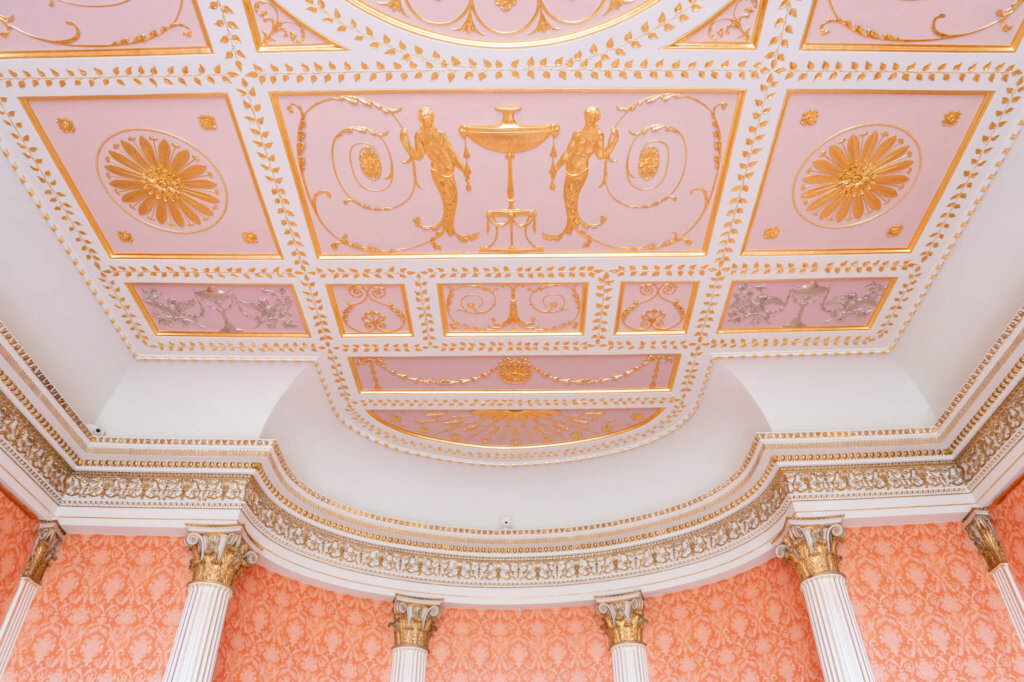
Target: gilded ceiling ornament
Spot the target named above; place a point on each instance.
(376, 314)
(505, 5)
(219, 553)
(414, 620)
(648, 162)
(250, 237)
(472, 308)
(207, 122)
(515, 370)
(951, 118)
(857, 177)
(434, 144)
(752, 304)
(734, 22)
(809, 544)
(935, 32)
(369, 163)
(979, 528)
(894, 231)
(809, 117)
(658, 306)
(48, 540)
(281, 27)
(274, 308)
(586, 142)
(622, 618)
(66, 125)
(125, 236)
(166, 182)
(771, 232)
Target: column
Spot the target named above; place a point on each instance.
(623, 622)
(982, 533)
(415, 619)
(219, 553)
(44, 552)
(809, 544)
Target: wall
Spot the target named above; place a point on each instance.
(17, 535)
(926, 606)
(106, 612)
(1008, 518)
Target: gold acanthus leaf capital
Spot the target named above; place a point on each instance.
(623, 617)
(44, 552)
(810, 544)
(415, 619)
(219, 553)
(978, 524)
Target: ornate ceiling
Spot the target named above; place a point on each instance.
(508, 232)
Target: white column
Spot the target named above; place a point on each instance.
(836, 635)
(195, 644)
(218, 554)
(809, 544)
(629, 662)
(414, 621)
(1011, 597)
(44, 552)
(16, 614)
(408, 664)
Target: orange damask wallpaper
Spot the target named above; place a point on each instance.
(17, 533)
(747, 628)
(107, 611)
(1008, 518)
(926, 606)
(527, 645)
(280, 630)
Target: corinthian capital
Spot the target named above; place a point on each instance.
(982, 533)
(810, 544)
(415, 619)
(48, 541)
(219, 553)
(623, 616)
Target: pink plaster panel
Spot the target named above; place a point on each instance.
(220, 309)
(900, 25)
(371, 309)
(118, 153)
(655, 307)
(894, 151)
(516, 373)
(366, 196)
(94, 27)
(515, 428)
(792, 305)
(550, 308)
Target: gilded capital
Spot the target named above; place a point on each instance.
(48, 541)
(982, 533)
(219, 553)
(623, 616)
(810, 543)
(415, 619)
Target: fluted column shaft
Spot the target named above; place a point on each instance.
(629, 662)
(194, 653)
(16, 614)
(408, 664)
(1007, 587)
(836, 634)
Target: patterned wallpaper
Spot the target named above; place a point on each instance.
(281, 630)
(926, 606)
(1008, 518)
(17, 533)
(106, 612)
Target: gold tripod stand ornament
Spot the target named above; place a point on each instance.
(510, 138)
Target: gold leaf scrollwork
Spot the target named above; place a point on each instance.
(471, 307)
(376, 315)
(935, 33)
(659, 309)
(726, 24)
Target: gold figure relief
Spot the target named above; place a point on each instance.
(856, 176)
(162, 181)
(433, 144)
(586, 142)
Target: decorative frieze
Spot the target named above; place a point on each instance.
(415, 620)
(809, 544)
(218, 553)
(44, 552)
(982, 533)
(622, 617)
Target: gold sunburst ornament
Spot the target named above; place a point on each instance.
(857, 177)
(163, 181)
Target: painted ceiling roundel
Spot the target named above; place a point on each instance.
(508, 232)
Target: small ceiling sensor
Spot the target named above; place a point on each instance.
(505, 523)
(96, 430)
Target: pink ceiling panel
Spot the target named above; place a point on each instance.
(548, 308)
(96, 27)
(159, 176)
(655, 307)
(220, 309)
(859, 172)
(385, 176)
(371, 309)
(794, 305)
(558, 373)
